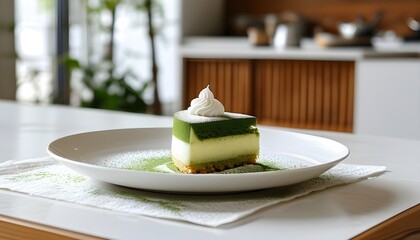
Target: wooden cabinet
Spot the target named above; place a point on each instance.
(304, 94)
(289, 93)
(230, 81)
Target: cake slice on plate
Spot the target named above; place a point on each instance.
(206, 139)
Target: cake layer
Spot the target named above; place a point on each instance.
(212, 127)
(214, 149)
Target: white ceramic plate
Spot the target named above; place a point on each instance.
(93, 154)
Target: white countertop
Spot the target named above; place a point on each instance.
(240, 48)
(337, 213)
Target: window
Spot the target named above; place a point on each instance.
(35, 31)
(34, 42)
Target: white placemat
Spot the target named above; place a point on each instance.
(44, 177)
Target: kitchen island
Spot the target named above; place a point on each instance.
(336, 89)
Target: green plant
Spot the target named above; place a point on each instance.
(149, 6)
(114, 91)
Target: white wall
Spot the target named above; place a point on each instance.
(387, 101)
(7, 52)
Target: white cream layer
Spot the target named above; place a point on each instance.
(214, 149)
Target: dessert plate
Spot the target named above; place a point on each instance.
(140, 158)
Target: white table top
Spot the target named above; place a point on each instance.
(337, 213)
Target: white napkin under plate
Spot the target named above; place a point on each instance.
(45, 177)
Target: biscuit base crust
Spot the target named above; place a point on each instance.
(216, 166)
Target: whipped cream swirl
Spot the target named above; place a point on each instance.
(206, 105)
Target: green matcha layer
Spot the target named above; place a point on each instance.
(212, 127)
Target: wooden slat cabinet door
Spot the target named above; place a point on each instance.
(230, 80)
(289, 93)
(304, 94)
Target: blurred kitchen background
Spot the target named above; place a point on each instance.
(338, 65)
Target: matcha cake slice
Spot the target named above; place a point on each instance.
(205, 144)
